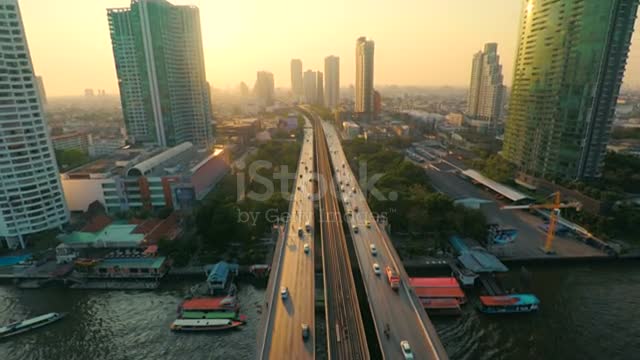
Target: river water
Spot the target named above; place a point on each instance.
(587, 312)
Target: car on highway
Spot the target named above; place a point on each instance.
(367, 224)
(355, 209)
(284, 292)
(376, 269)
(306, 248)
(300, 232)
(307, 227)
(406, 350)
(305, 331)
(355, 228)
(349, 213)
(353, 189)
(373, 249)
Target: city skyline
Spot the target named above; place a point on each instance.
(228, 60)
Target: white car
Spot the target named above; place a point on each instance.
(305, 331)
(376, 269)
(306, 248)
(373, 249)
(355, 229)
(284, 292)
(406, 350)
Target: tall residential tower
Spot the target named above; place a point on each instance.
(264, 88)
(331, 81)
(160, 66)
(569, 66)
(31, 198)
(296, 79)
(310, 87)
(364, 77)
(319, 88)
(486, 92)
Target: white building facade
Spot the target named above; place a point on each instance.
(31, 198)
(486, 91)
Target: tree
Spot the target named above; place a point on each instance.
(68, 159)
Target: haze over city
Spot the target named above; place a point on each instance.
(308, 179)
(418, 42)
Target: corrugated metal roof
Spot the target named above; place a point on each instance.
(506, 191)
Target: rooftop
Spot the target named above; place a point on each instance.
(501, 189)
(183, 159)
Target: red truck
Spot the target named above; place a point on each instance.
(392, 276)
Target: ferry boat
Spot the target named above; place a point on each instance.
(204, 324)
(512, 303)
(30, 324)
(220, 315)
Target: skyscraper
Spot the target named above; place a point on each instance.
(331, 81)
(31, 198)
(364, 77)
(296, 79)
(486, 92)
(264, 88)
(160, 66)
(310, 87)
(319, 88)
(569, 66)
(41, 91)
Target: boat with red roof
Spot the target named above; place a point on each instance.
(219, 303)
(511, 303)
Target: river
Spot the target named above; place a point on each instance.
(587, 312)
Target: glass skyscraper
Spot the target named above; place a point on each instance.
(160, 66)
(364, 76)
(569, 67)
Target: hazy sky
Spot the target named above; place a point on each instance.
(418, 42)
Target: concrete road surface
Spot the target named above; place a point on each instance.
(406, 319)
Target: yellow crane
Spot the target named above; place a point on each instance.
(554, 209)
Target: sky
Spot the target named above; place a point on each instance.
(418, 42)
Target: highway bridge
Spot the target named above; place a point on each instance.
(280, 334)
(397, 315)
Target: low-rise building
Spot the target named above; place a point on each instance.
(72, 141)
(103, 146)
(134, 179)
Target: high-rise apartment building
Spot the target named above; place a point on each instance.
(331, 81)
(296, 79)
(159, 60)
(486, 91)
(41, 91)
(310, 87)
(364, 76)
(569, 66)
(31, 198)
(319, 88)
(264, 88)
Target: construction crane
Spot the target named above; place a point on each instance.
(554, 209)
